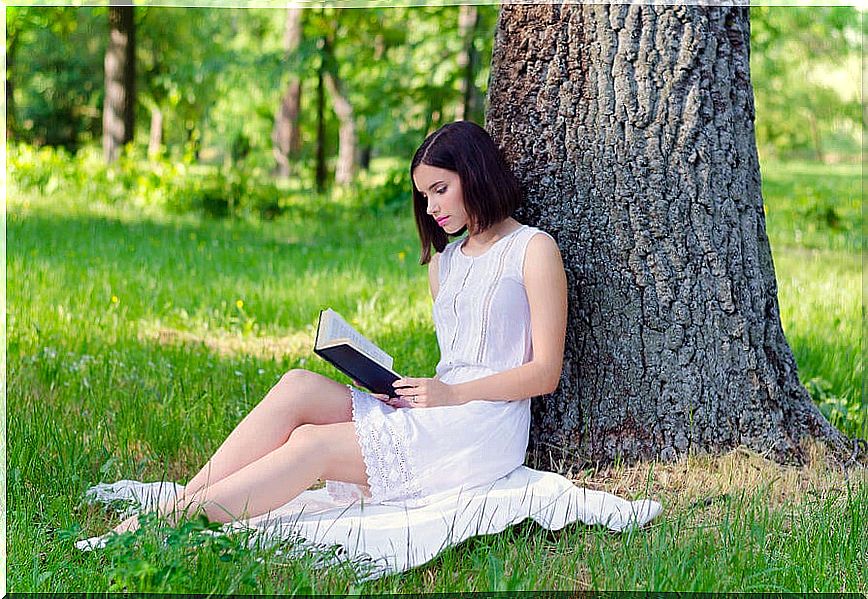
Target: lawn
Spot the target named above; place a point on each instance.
(136, 340)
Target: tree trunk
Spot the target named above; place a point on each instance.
(320, 174)
(345, 169)
(194, 140)
(155, 138)
(118, 117)
(468, 59)
(631, 130)
(365, 156)
(10, 92)
(815, 138)
(285, 136)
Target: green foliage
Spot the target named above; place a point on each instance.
(211, 190)
(388, 191)
(812, 205)
(55, 62)
(846, 413)
(805, 69)
(219, 84)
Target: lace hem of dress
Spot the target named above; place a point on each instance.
(385, 451)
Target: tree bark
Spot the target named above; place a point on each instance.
(345, 169)
(631, 129)
(285, 136)
(120, 78)
(155, 138)
(815, 138)
(365, 156)
(11, 122)
(320, 173)
(468, 60)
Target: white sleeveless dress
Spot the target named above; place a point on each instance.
(482, 320)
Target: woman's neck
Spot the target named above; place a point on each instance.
(484, 239)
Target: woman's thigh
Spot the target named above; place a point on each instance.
(338, 446)
(312, 398)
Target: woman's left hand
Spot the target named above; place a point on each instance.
(425, 393)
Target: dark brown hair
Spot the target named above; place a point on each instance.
(491, 191)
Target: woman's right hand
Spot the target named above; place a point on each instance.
(395, 402)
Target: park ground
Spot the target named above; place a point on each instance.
(137, 338)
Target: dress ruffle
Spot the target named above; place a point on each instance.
(387, 455)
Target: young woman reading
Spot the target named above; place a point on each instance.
(500, 310)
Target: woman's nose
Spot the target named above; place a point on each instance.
(430, 208)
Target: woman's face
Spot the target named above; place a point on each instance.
(442, 189)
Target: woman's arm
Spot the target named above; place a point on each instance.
(433, 277)
(434, 280)
(546, 285)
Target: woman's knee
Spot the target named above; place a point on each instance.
(313, 398)
(297, 378)
(294, 383)
(310, 437)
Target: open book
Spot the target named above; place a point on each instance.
(350, 352)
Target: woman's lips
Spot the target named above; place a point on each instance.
(440, 221)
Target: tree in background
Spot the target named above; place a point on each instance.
(641, 158)
(213, 80)
(792, 51)
(118, 121)
(57, 74)
(286, 136)
(345, 169)
(468, 59)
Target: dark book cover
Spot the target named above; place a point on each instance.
(360, 367)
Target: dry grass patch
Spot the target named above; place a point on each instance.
(702, 481)
(230, 345)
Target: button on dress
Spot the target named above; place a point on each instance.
(482, 320)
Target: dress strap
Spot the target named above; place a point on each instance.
(519, 249)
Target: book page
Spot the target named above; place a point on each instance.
(339, 328)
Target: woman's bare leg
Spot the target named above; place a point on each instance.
(329, 451)
(300, 397)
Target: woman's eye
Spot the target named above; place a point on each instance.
(441, 190)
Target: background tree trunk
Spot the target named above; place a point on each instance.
(120, 78)
(365, 156)
(631, 129)
(155, 137)
(11, 47)
(468, 60)
(345, 169)
(285, 136)
(320, 172)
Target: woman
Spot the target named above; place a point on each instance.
(500, 314)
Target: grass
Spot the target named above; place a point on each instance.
(137, 340)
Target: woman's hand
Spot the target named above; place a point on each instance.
(395, 402)
(425, 393)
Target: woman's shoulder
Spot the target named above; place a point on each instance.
(535, 242)
(530, 231)
(530, 234)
